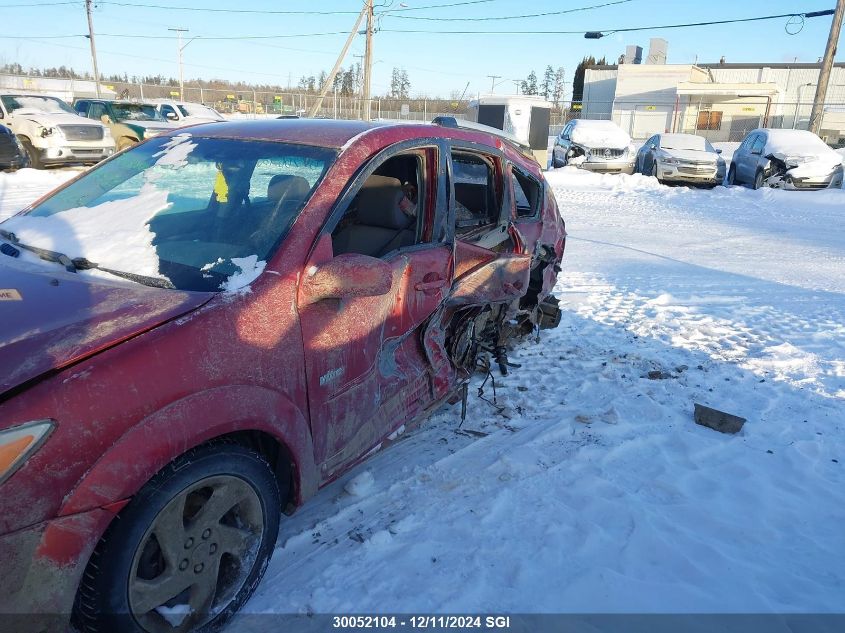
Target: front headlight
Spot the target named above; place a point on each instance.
(106, 132)
(667, 160)
(19, 442)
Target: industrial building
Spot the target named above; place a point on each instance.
(722, 101)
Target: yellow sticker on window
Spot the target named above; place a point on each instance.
(221, 189)
(10, 294)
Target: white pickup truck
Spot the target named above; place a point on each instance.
(52, 133)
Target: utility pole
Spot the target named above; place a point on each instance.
(493, 79)
(824, 74)
(330, 79)
(93, 47)
(179, 48)
(368, 59)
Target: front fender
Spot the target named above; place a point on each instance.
(166, 434)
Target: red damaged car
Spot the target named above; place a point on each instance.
(202, 331)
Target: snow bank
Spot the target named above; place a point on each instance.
(600, 134)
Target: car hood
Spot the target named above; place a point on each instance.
(52, 319)
(54, 118)
(151, 125)
(691, 154)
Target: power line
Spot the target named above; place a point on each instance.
(435, 6)
(211, 10)
(506, 17)
(29, 5)
(171, 37)
(809, 14)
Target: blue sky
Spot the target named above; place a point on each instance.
(437, 63)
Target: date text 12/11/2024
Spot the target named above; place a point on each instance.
(357, 622)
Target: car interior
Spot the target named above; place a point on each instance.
(383, 215)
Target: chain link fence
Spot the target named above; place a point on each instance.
(718, 120)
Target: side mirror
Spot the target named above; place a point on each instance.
(653, 146)
(105, 119)
(718, 151)
(171, 116)
(348, 276)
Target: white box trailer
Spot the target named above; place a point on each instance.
(524, 116)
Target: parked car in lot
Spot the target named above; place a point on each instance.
(594, 145)
(130, 122)
(184, 112)
(51, 132)
(207, 328)
(683, 158)
(12, 154)
(787, 159)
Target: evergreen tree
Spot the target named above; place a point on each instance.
(548, 85)
(557, 90)
(578, 79)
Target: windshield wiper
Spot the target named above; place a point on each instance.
(80, 263)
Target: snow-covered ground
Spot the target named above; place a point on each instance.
(589, 488)
(20, 188)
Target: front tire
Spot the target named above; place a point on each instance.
(732, 176)
(654, 171)
(758, 180)
(189, 549)
(33, 154)
(555, 162)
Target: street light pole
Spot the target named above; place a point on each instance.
(179, 48)
(93, 47)
(493, 79)
(824, 73)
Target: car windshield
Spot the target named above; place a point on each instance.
(34, 103)
(136, 112)
(194, 109)
(201, 213)
(686, 141)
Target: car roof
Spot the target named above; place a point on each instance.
(323, 132)
(340, 133)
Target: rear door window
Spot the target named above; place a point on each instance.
(526, 194)
(477, 191)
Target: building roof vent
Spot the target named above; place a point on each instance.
(657, 50)
(633, 54)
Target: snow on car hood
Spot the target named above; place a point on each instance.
(600, 134)
(812, 167)
(803, 151)
(57, 318)
(54, 118)
(691, 154)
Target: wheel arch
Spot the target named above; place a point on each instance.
(259, 418)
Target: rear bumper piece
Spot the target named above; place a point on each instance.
(41, 568)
